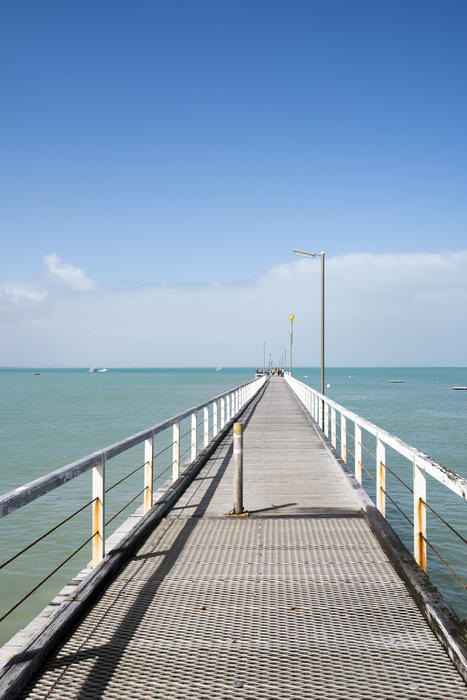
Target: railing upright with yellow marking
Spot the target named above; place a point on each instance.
(422, 465)
(199, 436)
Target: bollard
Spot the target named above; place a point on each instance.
(238, 471)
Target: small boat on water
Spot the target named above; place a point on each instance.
(218, 369)
(104, 369)
(397, 381)
(460, 388)
(92, 370)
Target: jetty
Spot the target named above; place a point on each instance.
(312, 595)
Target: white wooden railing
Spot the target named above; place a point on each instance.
(204, 421)
(324, 412)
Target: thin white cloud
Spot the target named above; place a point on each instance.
(18, 292)
(73, 277)
(380, 310)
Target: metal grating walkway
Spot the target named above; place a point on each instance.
(277, 607)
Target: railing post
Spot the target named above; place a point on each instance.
(321, 414)
(194, 418)
(222, 412)
(228, 408)
(176, 452)
(333, 427)
(98, 512)
(358, 453)
(344, 438)
(326, 420)
(380, 477)
(419, 515)
(214, 419)
(148, 472)
(206, 426)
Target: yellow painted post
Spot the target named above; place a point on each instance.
(148, 473)
(206, 426)
(176, 452)
(333, 427)
(358, 453)
(380, 477)
(222, 412)
(419, 515)
(344, 438)
(193, 436)
(98, 513)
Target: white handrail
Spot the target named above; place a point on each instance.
(19, 497)
(314, 401)
(98, 461)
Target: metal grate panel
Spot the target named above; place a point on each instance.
(299, 608)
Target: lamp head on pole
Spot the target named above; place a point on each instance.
(292, 316)
(307, 254)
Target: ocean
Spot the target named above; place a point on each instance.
(52, 418)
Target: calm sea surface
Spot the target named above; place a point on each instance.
(53, 418)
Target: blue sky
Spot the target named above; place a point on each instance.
(188, 143)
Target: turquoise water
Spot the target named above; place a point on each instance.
(51, 419)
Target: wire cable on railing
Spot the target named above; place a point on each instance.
(33, 590)
(443, 560)
(201, 422)
(126, 477)
(185, 434)
(444, 521)
(369, 473)
(362, 465)
(25, 549)
(397, 477)
(166, 469)
(129, 503)
(165, 449)
(367, 450)
(395, 504)
(339, 425)
(185, 451)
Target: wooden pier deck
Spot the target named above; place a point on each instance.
(296, 601)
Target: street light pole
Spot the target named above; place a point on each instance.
(292, 316)
(314, 255)
(322, 322)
